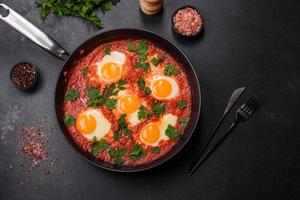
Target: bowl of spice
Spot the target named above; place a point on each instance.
(24, 76)
(187, 22)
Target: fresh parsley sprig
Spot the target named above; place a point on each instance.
(123, 129)
(171, 70)
(142, 85)
(117, 154)
(172, 133)
(157, 59)
(142, 51)
(98, 146)
(137, 152)
(143, 113)
(69, 120)
(78, 8)
(71, 95)
(181, 104)
(158, 108)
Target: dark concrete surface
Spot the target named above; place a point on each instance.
(246, 43)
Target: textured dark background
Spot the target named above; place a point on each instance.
(246, 43)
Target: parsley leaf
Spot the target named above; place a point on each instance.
(121, 84)
(123, 129)
(71, 95)
(143, 113)
(172, 133)
(157, 59)
(117, 154)
(183, 121)
(117, 135)
(98, 146)
(137, 152)
(83, 9)
(142, 85)
(142, 52)
(158, 108)
(171, 70)
(85, 71)
(69, 120)
(181, 104)
(106, 49)
(155, 150)
(110, 103)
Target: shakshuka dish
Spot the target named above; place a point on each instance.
(127, 102)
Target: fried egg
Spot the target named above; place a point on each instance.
(128, 103)
(92, 123)
(154, 132)
(164, 87)
(110, 68)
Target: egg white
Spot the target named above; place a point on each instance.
(114, 57)
(175, 88)
(103, 126)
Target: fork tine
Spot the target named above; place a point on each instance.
(247, 104)
(252, 106)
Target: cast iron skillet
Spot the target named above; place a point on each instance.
(87, 47)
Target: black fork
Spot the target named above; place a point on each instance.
(242, 114)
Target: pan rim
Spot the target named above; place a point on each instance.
(154, 163)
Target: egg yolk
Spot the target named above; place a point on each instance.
(150, 133)
(86, 124)
(129, 103)
(111, 71)
(161, 88)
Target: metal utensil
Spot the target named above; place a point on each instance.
(242, 114)
(233, 99)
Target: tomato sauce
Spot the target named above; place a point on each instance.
(76, 80)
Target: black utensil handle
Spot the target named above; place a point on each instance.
(214, 147)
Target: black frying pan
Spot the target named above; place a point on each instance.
(41, 39)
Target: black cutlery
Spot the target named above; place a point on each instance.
(233, 99)
(242, 114)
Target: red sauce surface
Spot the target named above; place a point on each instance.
(76, 80)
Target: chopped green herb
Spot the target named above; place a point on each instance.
(117, 154)
(172, 133)
(85, 71)
(71, 95)
(137, 152)
(78, 8)
(117, 135)
(157, 59)
(142, 85)
(106, 49)
(123, 129)
(143, 113)
(69, 120)
(158, 108)
(142, 52)
(96, 99)
(98, 146)
(183, 121)
(171, 70)
(155, 150)
(181, 104)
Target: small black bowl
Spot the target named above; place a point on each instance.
(33, 82)
(186, 36)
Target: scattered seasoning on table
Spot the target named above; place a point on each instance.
(33, 145)
(24, 75)
(187, 21)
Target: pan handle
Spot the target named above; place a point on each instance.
(29, 30)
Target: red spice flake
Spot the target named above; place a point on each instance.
(33, 145)
(187, 21)
(23, 75)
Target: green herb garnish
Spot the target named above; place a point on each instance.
(172, 133)
(117, 135)
(171, 70)
(117, 154)
(142, 85)
(69, 120)
(106, 49)
(71, 95)
(183, 121)
(98, 146)
(142, 51)
(78, 8)
(158, 108)
(143, 113)
(96, 99)
(85, 71)
(157, 59)
(181, 104)
(123, 129)
(155, 150)
(137, 152)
